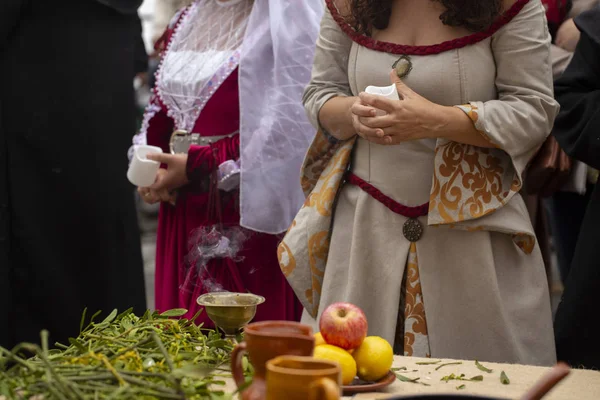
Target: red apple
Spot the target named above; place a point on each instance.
(343, 325)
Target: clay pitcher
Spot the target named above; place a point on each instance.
(264, 341)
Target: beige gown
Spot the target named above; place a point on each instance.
(475, 274)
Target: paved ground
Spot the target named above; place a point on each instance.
(148, 225)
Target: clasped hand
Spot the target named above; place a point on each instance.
(410, 118)
(167, 180)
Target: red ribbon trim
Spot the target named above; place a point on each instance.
(393, 205)
(393, 48)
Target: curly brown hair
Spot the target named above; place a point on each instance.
(474, 15)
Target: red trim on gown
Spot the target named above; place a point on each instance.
(176, 284)
(394, 48)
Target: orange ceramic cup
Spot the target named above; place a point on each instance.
(303, 378)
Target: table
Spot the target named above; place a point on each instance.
(579, 385)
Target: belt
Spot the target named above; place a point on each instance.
(412, 229)
(181, 141)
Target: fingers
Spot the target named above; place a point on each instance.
(379, 102)
(362, 110)
(164, 195)
(154, 196)
(162, 180)
(161, 158)
(403, 91)
(363, 130)
(148, 196)
(380, 122)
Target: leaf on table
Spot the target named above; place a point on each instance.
(453, 377)
(428, 362)
(176, 312)
(482, 368)
(399, 369)
(461, 377)
(504, 378)
(450, 363)
(403, 378)
(461, 387)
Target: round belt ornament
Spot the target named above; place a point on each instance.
(412, 230)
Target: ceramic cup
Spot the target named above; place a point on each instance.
(264, 341)
(303, 378)
(142, 172)
(389, 92)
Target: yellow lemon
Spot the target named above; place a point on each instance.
(319, 339)
(374, 358)
(342, 357)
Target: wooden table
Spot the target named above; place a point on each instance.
(579, 385)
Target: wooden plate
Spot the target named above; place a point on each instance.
(359, 386)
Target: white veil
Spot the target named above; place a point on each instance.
(275, 63)
(275, 67)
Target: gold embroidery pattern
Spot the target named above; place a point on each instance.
(470, 182)
(317, 157)
(416, 339)
(303, 252)
(525, 242)
(287, 262)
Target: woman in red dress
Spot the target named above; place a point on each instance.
(234, 98)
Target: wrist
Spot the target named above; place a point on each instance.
(441, 119)
(335, 117)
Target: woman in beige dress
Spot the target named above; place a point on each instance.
(431, 237)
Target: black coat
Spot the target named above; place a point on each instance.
(577, 129)
(68, 228)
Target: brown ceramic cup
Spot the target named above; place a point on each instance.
(303, 378)
(264, 341)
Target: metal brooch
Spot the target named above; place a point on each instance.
(412, 230)
(403, 66)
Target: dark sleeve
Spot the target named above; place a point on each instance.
(577, 127)
(10, 15)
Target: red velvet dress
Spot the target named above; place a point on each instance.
(177, 283)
